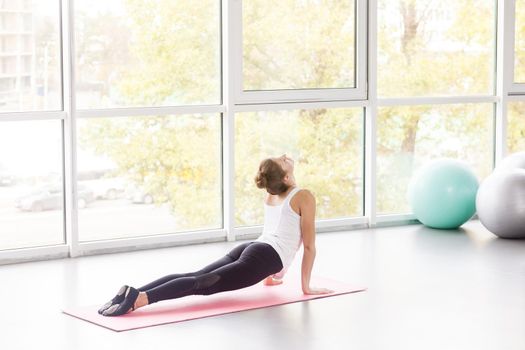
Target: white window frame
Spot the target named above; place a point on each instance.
(149, 240)
(57, 251)
(321, 225)
(233, 101)
(504, 74)
(495, 98)
(509, 90)
(509, 13)
(359, 92)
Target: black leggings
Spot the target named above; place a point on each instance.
(246, 265)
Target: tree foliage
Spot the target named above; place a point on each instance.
(426, 48)
(327, 146)
(432, 48)
(298, 44)
(516, 110)
(175, 159)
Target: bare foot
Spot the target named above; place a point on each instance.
(270, 281)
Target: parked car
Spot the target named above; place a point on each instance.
(51, 198)
(106, 188)
(138, 195)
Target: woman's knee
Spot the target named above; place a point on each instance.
(208, 284)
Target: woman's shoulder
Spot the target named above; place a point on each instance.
(303, 200)
(305, 194)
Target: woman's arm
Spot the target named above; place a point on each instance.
(307, 211)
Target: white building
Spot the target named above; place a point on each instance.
(17, 53)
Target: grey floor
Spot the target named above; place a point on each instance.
(427, 289)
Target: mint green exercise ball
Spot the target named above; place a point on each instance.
(442, 194)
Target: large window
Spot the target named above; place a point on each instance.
(515, 105)
(31, 190)
(433, 51)
(516, 127)
(30, 77)
(289, 44)
(149, 175)
(154, 172)
(31, 150)
(410, 136)
(115, 129)
(294, 50)
(519, 42)
(435, 48)
(147, 53)
(327, 146)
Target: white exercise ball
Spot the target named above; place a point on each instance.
(500, 203)
(512, 161)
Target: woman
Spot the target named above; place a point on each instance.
(289, 219)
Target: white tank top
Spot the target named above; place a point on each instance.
(282, 229)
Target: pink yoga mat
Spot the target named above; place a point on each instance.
(198, 306)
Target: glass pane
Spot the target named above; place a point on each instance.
(296, 44)
(31, 190)
(519, 43)
(30, 62)
(516, 127)
(149, 175)
(327, 146)
(429, 48)
(408, 137)
(147, 53)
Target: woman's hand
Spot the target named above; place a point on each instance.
(316, 291)
(270, 281)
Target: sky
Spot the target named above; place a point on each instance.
(31, 147)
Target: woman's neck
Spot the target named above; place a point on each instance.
(290, 189)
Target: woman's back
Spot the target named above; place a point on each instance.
(282, 228)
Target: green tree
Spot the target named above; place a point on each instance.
(175, 159)
(101, 52)
(298, 44)
(301, 44)
(177, 45)
(173, 46)
(327, 146)
(516, 110)
(429, 48)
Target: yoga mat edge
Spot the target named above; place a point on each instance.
(195, 307)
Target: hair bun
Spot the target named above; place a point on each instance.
(270, 176)
(260, 180)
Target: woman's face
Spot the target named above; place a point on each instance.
(286, 163)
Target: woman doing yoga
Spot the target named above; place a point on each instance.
(289, 219)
